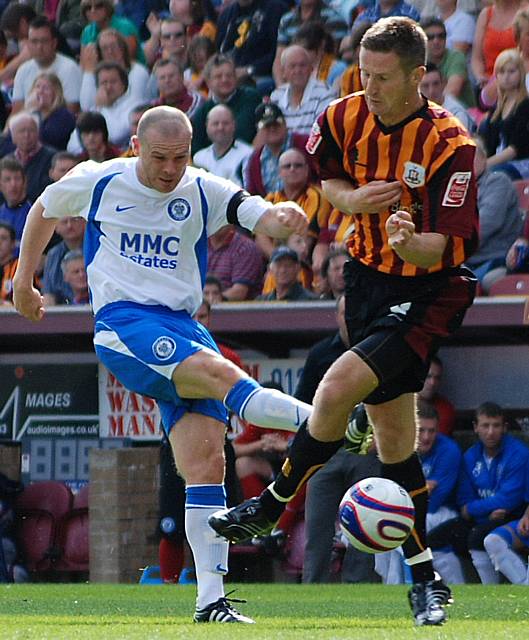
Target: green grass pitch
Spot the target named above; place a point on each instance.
(282, 611)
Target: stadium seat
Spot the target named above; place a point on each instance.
(39, 508)
(72, 536)
(515, 284)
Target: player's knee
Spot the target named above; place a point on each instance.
(494, 544)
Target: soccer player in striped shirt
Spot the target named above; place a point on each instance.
(402, 168)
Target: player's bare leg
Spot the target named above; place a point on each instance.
(197, 442)
(207, 374)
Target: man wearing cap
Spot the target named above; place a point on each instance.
(262, 170)
(285, 266)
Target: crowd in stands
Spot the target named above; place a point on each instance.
(252, 75)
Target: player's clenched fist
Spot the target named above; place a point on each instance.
(400, 228)
(292, 217)
(28, 302)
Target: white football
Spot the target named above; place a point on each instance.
(376, 515)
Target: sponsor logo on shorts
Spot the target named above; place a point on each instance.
(179, 209)
(414, 175)
(164, 347)
(456, 190)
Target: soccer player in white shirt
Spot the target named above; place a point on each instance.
(148, 219)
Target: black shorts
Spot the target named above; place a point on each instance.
(396, 323)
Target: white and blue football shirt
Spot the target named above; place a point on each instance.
(142, 245)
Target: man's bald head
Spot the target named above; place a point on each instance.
(168, 121)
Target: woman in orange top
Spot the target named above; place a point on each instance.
(494, 33)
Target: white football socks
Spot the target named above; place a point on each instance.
(448, 565)
(505, 559)
(486, 572)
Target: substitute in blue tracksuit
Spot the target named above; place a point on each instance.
(440, 459)
(490, 493)
(503, 543)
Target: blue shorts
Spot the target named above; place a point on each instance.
(142, 345)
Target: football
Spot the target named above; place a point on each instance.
(376, 515)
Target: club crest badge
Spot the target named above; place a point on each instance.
(163, 347)
(179, 209)
(414, 175)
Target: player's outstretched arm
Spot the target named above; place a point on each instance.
(281, 220)
(421, 249)
(37, 233)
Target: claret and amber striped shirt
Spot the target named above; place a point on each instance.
(432, 157)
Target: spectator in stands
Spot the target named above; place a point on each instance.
(172, 90)
(326, 488)
(92, 138)
(505, 130)
(433, 87)
(387, 9)
(332, 274)
(429, 394)
(11, 571)
(262, 171)
(198, 16)
(440, 459)
(243, 101)
(54, 289)
(351, 82)
(13, 188)
(61, 163)
(168, 39)
(134, 119)
(460, 26)
(226, 156)
(306, 11)
(42, 45)
(199, 52)
(14, 24)
(285, 266)
(32, 155)
(517, 260)
(490, 493)
(500, 222)
(65, 15)
(489, 93)
(494, 34)
(111, 46)
(301, 98)
(237, 262)
(247, 31)
(451, 63)
(100, 15)
(212, 290)
(260, 453)
(294, 172)
(46, 101)
(74, 276)
(315, 39)
(505, 543)
(8, 263)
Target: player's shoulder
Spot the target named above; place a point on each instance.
(356, 99)
(447, 127)
(92, 169)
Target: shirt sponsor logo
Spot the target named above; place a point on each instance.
(414, 175)
(150, 250)
(456, 190)
(163, 347)
(179, 209)
(314, 140)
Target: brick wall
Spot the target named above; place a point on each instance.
(123, 512)
(10, 461)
